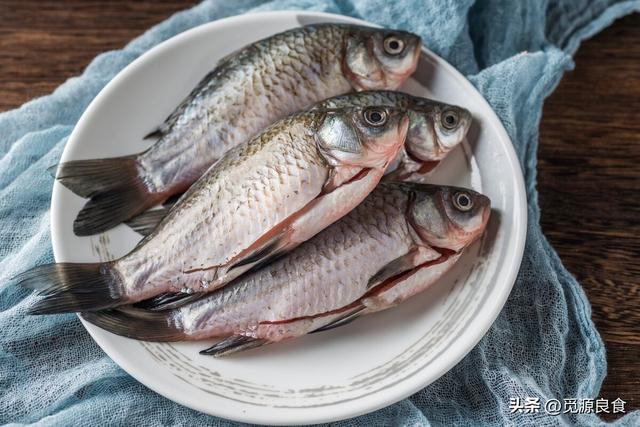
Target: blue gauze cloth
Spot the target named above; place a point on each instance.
(542, 345)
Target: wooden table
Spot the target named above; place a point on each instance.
(589, 182)
(588, 174)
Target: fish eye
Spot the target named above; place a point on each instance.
(450, 119)
(375, 116)
(462, 201)
(393, 45)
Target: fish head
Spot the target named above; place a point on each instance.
(366, 137)
(448, 217)
(379, 58)
(435, 129)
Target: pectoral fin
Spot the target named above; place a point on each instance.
(155, 134)
(398, 266)
(348, 317)
(411, 170)
(340, 175)
(53, 170)
(147, 221)
(169, 301)
(265, 253)
(233, 344)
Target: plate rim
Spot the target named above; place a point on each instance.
(376, 400)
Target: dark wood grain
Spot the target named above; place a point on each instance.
(589, 154)
(589, 182)
(43, 43)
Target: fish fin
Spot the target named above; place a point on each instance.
(419, 173)
(87, 178)
(398, 266)
(116, 191)
(137, 324)
(53, 169)
(169, 301)
(70, 287)
(155, 134)
(260, 255)
(147, 221)
(172, 200)
(396, 175)
(109, 209)
(267, 252)
(237, 343)
(340, 175)
(341, 321)
(234, 344)
(274, 256)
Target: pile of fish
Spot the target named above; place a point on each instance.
(291, 185)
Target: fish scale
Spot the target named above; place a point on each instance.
(319, 276)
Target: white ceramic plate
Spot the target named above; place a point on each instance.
(345, 372)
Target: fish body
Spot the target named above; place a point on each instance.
(429, 139)
(259, 201)
(247, 91)
(324, 275)
(392, 246)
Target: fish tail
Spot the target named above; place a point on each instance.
(70, 287)
(116, 189)
(138, 324)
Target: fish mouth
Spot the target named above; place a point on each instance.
(427, 165)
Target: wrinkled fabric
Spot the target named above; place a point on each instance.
(543, 344)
